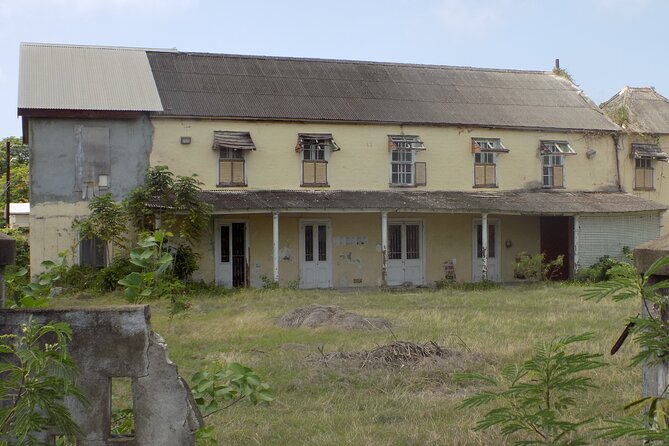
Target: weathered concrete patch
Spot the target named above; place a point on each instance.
(118, 342)
(315, 315)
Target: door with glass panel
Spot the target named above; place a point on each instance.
(231, 264)
(493, 273)
(405, 263)
(315, 254)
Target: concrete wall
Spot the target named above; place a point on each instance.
(55, 198)
(118, 342)
(356, 247)
(364, 163)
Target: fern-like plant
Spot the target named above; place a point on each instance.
(533, 400)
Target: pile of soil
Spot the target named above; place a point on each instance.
(398, 354)
(314, 315)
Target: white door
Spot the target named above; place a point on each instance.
(405, 253)
(315, 255)
(230, 252)
(493, 251)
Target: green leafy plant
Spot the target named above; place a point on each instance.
(153, 263)
(220, 389)
(534, 400)
(37, 374)
(534, 267)
(648, 420)
(174, 203)
(185, 262)
(107, 221)
(39, 292)
(604, 269)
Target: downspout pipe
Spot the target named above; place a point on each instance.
(617, 141)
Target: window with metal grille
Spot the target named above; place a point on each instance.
(644, 173)
(231, 170)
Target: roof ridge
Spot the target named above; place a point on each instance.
(100, 47)
(360, 62)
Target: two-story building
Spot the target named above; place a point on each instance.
(333, 173)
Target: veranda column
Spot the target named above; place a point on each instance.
(275, 243)
(384, 246)
(484, 246)
(576, 243)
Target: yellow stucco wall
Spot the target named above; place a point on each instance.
(356, 245)
(627, 170)
(363, 162)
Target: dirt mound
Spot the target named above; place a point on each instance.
(397, 354)
(314, 315)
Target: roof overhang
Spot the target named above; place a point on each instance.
(444, 202)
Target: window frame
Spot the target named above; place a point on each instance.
(650, 166)
(96, 244)
(549, 161)
(481, 161)
(232, 156)
(308, 150)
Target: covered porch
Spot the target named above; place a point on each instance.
(338, 239)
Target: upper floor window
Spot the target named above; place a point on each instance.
(485, 160)
(645, 156)
(232, 147)
(316, 149)
(553, 155)
(404, 169)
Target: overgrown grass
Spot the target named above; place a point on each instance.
(339, 404)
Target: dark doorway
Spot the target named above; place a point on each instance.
(555, 236)
(238, 254)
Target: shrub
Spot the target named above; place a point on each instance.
(107, 278)
(185, 262)
(22, 245)
(534, 267)
(604, 269)
(77, 277)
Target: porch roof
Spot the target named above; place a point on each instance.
(505, 202)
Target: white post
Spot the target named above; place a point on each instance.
(384, 246)
(484, 246)
(275, 243)
(576, 243)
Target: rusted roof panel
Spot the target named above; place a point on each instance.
(254, 87)
(516, 202)
(643, 109)
(69, 77)
(233, 140)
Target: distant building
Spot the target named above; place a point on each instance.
(19, 215)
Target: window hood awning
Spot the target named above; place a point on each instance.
(405, 142)
(649, 151)
(556, 148)
(493, 145)
(307, 139)
(233, 140)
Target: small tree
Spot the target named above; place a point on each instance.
(107, 221)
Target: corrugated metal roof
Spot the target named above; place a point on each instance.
(515, 202)
(69, 77)
(19, 208)
(233, 140)
(254, 87)
(648, 150)
(646, 110)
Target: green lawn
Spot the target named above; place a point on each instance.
(339, 403)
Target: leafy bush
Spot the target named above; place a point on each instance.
(78, 277)
(185, 262)
(107, 278)
(605, 269)
(534, 267)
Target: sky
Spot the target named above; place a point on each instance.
(604, 44)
